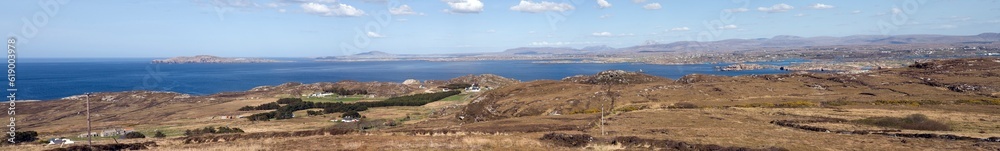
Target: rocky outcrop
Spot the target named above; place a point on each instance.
(490, 80)
(613, 77)
(211, 59)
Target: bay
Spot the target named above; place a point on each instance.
(54, 78)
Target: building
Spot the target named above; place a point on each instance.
(109, 132)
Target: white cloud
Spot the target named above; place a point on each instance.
(736, 10)
(680, 29)
(603, 3)
(403, 10)
(531, 32)
(491, 31)
(821, 6)
(532, 7)
(342, 10)
(856, 12)
(896, 11)
(374, 35)
(281, 10)
(464, 6)
(800, 15)
(638, 1)
(728, 27)
(605, 16)
(602, 34)
(776, 8)
(652, 6)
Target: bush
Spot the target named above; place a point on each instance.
(796, 104)
(131, 135)
(21, 137)
(342, 91)
(353, 114)
(457, 86)
(913, 121)
(159, 135)
(314, 113)
(288, 100)
(683, 105)
(212, 130)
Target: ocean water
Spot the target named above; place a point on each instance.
(50, 78)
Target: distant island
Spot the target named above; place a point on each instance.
(211, 59)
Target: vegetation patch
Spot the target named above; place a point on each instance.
(792, 104)
(683, 105)
(568, 140)
(212, 130)
(295, 104)
(908, 102)
(666, 144)
(116, 146)
(913, 121)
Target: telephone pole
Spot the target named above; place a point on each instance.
(90, 134)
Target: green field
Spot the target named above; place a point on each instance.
(459, 97)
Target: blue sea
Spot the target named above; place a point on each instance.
(53, 78)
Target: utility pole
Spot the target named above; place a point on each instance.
(90, 134)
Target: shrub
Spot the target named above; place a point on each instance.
(354, 114)
(683, 105)
(458, 86)
(288, 100)
(979, 102)
(836, 103)
(131, 135)
(212, 130)
(630, 108)
(314, 113)
(268, 106)
(796, 104)
(907, 102)
(247, 108)
(159, 135)
(21, 137)
(913, 121)
(342, 91)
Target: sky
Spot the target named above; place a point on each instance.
(313, 28)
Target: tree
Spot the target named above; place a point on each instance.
(353, 114)
(159, 135)
(134, 135)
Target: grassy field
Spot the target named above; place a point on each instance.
(459, 97)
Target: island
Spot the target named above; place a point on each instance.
(211, 59)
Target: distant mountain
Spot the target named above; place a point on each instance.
(543, 50)
(211, 59)
(785, 41)
(597, 48)
(373, 53)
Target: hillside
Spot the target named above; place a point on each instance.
(797, 111)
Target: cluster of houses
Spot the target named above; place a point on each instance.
(109, 132)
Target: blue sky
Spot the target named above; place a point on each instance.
(310, 28)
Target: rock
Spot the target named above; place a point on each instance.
(411, 82)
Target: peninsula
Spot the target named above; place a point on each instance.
(211, 59)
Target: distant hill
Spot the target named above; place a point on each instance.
(211, 59)
(597, 48)
(786, 41)
(373, 53)
(543, 50)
